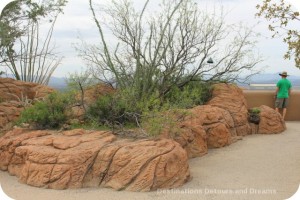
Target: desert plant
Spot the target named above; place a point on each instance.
(108, 110)
(23, 51)
(192, 94)
(158, 122)
(254, 110)
(23, 99)
(150, 114)
(80, 82)
(157, 51)
(50, 113)
(254, 115)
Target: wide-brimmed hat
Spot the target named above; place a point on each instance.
(284, 73)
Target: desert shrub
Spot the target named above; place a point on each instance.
(50, 113)
(192, 94)
(165, 121)
(108, 110)
(151, 112)
(167, 114)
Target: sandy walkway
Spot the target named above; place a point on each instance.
(257, 167)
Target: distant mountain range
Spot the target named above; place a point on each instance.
(57, 83)
(60, 83)
(273, 78)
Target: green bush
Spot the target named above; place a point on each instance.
(254, 111)
(50, 113)
(108, 110)
(123, 108)
(163, 121)
(191, 95)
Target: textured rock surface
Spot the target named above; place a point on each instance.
(193, 139)
(9, 112)
(11, 89)
(231, 98)
(201, 128)
(79, 158)
(215, 121)
(223, 121)
(14, 94)
(270, 121)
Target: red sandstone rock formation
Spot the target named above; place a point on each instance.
(223, 121)
(231, 98)
(79, 158)
(11, 89)
(202, 127)
(9, 112)
(271, 122)
(215, 125)
(14, 94)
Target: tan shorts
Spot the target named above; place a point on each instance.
(281, 103)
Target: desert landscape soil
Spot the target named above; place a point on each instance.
(256, 167)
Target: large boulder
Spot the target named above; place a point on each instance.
(80, 158)
(231, 98)
(193, 140)
(216, 122)
(271, 122)
(200, 128)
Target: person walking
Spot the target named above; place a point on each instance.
(282, 94)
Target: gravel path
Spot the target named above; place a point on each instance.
(257, 167)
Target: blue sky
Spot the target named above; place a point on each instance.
(77, 21)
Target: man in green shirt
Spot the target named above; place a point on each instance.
(282, 94)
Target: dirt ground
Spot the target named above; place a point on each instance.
(257, 167)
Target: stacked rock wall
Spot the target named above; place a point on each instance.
(223, 121)
(80, 158)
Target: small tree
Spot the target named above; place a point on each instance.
(27, 56)
(79, 82)
(158, 51)
(281, 15)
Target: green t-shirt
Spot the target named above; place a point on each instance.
(284, 86)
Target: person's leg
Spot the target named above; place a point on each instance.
(283, 113)
(284, 106)
(278, 104)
